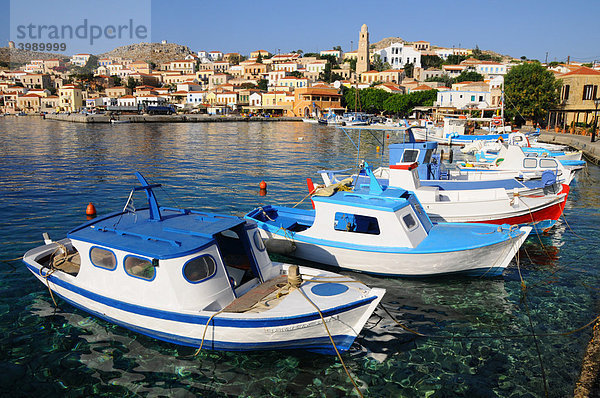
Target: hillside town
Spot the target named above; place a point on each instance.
(295, 84)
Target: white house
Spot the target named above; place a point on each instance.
(215, 55)
(491, 69)
(464, 99)
(275, 76)
(196, 97)
(398, 55)
(255, 99)
(80, 59)
(317, 66)
(127, 100)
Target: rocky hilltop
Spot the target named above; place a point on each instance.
(383, 43)
(17, 56)
(150, 52)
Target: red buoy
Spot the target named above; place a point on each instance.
(91, 210)
(263, 185)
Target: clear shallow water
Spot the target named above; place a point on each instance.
(49, 171)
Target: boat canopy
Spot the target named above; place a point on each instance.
(179, 233)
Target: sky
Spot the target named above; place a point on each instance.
(513, 27)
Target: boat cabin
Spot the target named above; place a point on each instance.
(368, 216)
(166, 258)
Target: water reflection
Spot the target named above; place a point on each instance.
(50, 171)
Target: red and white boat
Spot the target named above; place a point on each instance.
(491, 206)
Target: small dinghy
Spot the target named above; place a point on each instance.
(387, 232)
(199, 279)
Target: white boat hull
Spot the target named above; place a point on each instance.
(487, 260)
(278, 328)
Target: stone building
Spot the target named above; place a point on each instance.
(362, 63)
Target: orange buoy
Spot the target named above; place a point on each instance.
(263, 185)
(377, 148)
(91, 210)
(388, 136)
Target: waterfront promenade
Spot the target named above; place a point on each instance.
(80, 118)
(591, 150)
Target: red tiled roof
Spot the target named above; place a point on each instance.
(583, 71)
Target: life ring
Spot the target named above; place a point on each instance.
(498, 161)
(497, 122)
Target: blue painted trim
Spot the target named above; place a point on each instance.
(141, 253)
(318, 344)
(379, 249)
(137, 276)
(201, 319)
(98, 266)
(201, 280)
(487, 272)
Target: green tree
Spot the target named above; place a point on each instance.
(469, 76)
(259, 59)
(409, 69)
(431, 61)
(454, 59)
(446, 79)
(263, 84)
(352, 63)
(116, 80)
(296, 73)
(131, 83)
(480, 55)
(530, 90)
(403, 104)
(378, 64)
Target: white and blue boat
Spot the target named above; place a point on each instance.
(387, 232)
(433, 173)
(199, 279)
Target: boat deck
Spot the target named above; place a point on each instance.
(250, 299)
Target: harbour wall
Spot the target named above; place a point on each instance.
(79, 118)
(591, 150)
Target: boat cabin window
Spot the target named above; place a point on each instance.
(103, 258)
(548, 164)
(530, 163)
(199, 268)
(139, 268)
(409, 221)
(410, 155)
(356, 223)
(427, 158)
(235, 257)
(258, 241)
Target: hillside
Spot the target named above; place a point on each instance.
(383, 43)
(150, 52)
(17, 56)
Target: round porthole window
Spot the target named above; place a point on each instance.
(258, 241)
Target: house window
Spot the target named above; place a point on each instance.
(356, 223)
(566, 89)
(473, 98)
(589, 92)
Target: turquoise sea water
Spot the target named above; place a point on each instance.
(49, 171)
